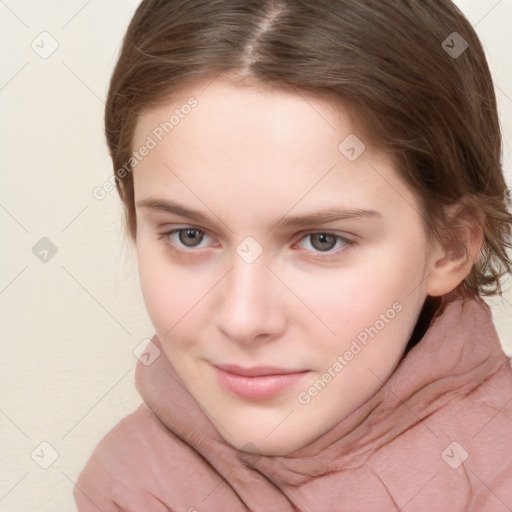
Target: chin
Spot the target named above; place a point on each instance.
(261, 443)
(265, 447)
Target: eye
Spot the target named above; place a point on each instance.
(324, 242)
(186, 237)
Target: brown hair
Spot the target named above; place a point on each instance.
(400, 64)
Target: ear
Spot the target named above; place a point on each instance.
(454, 256)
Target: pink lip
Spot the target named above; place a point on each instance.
(257, 383)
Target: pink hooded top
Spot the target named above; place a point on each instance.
(437, 436)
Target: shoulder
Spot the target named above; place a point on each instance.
(461, 452)
(142, 465)
(126, 436)
(120, 464)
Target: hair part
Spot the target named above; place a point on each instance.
(382, 60)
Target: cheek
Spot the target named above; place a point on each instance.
(356, 294)
(374, 299)
(169, 292)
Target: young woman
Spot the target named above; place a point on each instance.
(315, 193)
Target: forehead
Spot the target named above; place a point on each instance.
(226, 113)
(259, 144)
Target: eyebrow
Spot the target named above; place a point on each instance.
(324, 216)
(329, 215)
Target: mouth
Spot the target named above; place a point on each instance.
(257, 383)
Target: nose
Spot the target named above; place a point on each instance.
(250, 307)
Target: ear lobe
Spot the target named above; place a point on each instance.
(454, 259)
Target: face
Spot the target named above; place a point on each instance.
(283, 264)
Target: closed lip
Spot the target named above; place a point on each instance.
(257, 371)
(257, 382)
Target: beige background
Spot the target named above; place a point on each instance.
(70, 324)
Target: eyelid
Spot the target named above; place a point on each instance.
(183, 227)
(326, 231)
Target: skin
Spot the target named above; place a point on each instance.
(250, 158)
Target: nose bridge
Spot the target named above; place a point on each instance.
(246, 286)
(249, 302)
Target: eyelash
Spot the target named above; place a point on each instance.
(348, 243)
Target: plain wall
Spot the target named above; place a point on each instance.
(70, 324)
